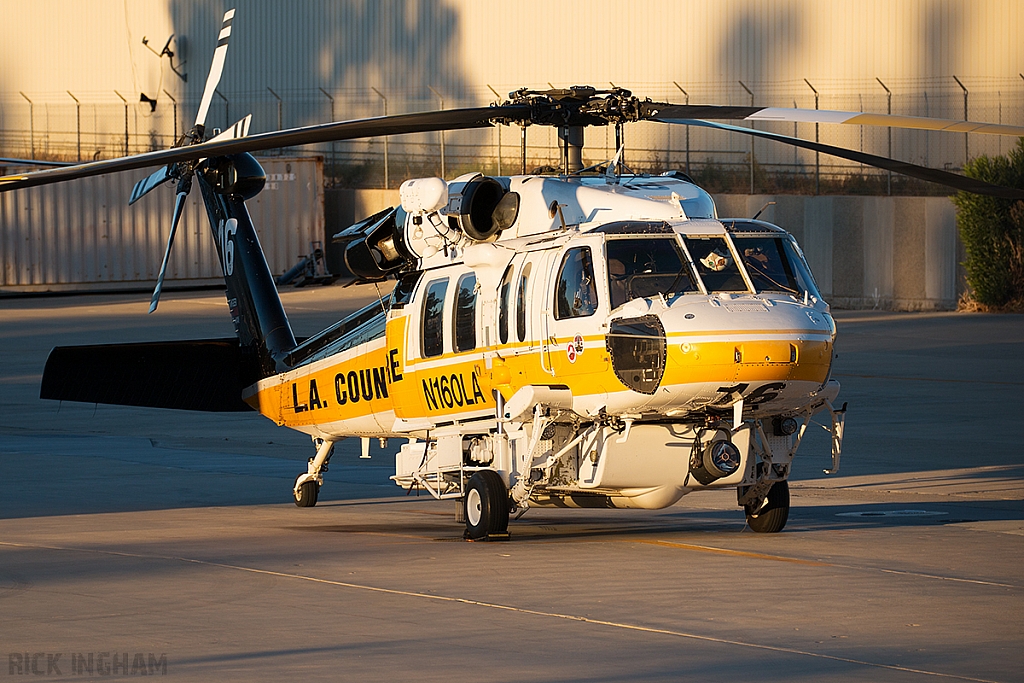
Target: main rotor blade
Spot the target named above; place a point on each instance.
(217, 68)
(957, 182)
(660, 112)
(34, 162)
(179, 205)
(447, 119)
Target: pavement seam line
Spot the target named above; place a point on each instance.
(508, 608)
(815, 563)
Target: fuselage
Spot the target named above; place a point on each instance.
(638, 299)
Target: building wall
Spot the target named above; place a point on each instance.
(323, 57)
(83, 235)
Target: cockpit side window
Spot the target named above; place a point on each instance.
(715, 264)
(432, 332)
(576, 292)
(647, 267)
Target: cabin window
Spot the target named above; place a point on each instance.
(715, 264)
(465, 314)
(504, 299)
(524, 280)
(432, 333)
(402, 293)
(645, 268)
(576, 293)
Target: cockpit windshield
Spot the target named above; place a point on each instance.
(644, 267)
(774, 265)
(715, 264)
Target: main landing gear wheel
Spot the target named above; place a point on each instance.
(772, 517)
(307, 494)
(486, 505)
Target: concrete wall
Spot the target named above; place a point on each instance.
(890, 253)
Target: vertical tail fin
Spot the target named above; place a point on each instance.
(256, 310)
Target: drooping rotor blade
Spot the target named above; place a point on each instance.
(179, 205)
(217, 68)
(424, 122)
(661, 112)
(35, 162)
(957, 182)
(149, 183)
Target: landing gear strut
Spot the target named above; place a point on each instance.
(307, 486)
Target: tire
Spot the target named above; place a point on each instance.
(309, 491)
(486, 505)
(772, 518)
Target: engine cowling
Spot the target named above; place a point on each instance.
(480, 206)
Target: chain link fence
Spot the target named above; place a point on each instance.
(88, 126)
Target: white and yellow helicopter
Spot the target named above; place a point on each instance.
(588, 339)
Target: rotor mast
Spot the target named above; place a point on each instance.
(571, 138)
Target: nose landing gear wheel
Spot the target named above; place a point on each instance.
(307, 494)
(486, 505)
(772, 517)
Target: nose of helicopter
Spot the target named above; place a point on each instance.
(748, 339)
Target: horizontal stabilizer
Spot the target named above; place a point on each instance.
(206, 375)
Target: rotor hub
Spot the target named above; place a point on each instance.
(580, 105)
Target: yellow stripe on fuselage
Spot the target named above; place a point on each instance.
(374, 379)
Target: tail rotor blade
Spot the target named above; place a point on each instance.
(149, 183)
(217, 68)
(239, 130)
(179, 205)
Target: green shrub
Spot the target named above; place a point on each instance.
(992, 231)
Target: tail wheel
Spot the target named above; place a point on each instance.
(307, 494)
(486, 505)
(772, 517)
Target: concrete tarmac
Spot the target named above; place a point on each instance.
(136, 540)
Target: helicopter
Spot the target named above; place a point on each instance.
(593, 338)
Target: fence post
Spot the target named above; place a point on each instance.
(498, 97)
(817, 155)
(78, 124)
(125, 122)
(331, 100)
(280, 125)
(749, 92)
(441, 99)
(174, 102)
(387, 179)
(32, 123)
(966, 157)
(888, 109)
(686, 101)
(227, 109)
